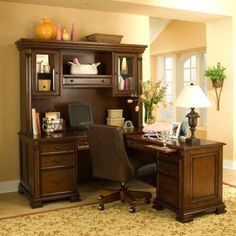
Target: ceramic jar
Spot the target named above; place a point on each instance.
(45, 30)
(65, 35)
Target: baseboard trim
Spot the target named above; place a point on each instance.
(9, 186)
(229, 164)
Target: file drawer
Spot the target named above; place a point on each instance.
(168, 190)
(57, 181)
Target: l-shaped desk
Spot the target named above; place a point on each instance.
(189, 178)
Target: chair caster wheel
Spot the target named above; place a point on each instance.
(101, 207)
(147, 200)
(132, 209)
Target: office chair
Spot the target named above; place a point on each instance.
(110, 161)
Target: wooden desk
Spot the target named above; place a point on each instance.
(189, 178)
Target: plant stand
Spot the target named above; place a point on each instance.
(218, 85)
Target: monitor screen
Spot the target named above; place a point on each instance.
(80, 115)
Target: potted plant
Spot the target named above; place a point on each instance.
(152, 93)
(216, 74)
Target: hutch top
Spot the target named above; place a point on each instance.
(49, 84)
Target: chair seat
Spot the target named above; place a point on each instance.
(141, 170)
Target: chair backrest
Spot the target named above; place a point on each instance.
(109, 157)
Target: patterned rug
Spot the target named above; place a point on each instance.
(116, 220)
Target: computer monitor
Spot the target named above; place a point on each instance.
(80, 115)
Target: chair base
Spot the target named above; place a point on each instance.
(124, 195)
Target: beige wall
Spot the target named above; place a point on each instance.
(178, 36)
(19, 21)
(219, 49)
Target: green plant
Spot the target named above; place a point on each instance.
(216, 72)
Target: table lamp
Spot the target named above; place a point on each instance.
(192, 97)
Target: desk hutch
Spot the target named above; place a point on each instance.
(48, 164)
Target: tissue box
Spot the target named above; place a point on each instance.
(116, 121)
(115, 113)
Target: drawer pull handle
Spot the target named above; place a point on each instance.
(56, 161)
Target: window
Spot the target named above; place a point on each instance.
(166, 72)
(176, 71)
(190, 70)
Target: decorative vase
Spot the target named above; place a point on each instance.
(121, 82)
(127, 84)
(73, 33)
(58, 32)
(65, 35)
(45, 30)
(149, 114)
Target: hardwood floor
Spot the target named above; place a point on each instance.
(229, 176)
(12, 204)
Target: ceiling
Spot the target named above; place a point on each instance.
(126, 6)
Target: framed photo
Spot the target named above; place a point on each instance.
(175, 129)
(52, 115)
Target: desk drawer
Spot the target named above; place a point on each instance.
(168, 168)
(56, 147)
(57, 181)
(168, 191)
(65, 159)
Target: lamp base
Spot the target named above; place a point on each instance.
(192, 141)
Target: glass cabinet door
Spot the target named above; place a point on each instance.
(45, 78)
(125, 82)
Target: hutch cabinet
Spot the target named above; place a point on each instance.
(125, 82)
(49, 164)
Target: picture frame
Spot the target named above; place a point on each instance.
(52, 115)
(175, 130)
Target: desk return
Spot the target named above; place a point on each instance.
(189, 178)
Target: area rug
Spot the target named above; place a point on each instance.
(116, 220)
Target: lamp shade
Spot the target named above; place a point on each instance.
(192, 96)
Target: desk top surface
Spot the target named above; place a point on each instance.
(173, 143)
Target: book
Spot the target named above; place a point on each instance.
(34, 123)
(38, 123)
